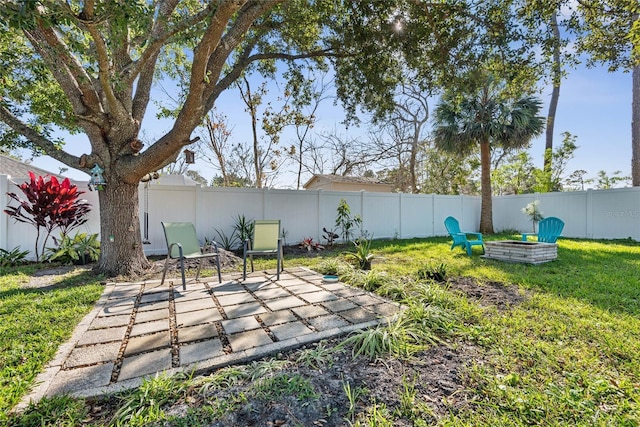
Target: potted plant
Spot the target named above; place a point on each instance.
(534, 213)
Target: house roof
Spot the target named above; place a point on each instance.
(18, 169)
(345, 179)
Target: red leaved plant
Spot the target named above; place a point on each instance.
(49, 204)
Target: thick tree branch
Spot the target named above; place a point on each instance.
(47, 146)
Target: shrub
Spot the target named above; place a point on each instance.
(49, 204)
(79, 249)
(12, 257)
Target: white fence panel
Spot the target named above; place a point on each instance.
(416, 218)
(587, 214)
(381, 214)
(615, 213)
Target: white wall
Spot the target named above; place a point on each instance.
(605, 214)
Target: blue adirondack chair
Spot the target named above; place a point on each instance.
(461, 238)
(549, 229)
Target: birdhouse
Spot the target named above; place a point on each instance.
(189, 156)
(97, 180)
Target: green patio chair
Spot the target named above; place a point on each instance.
(549, 229)
(182, 243)
(461, 238)
(265, 241)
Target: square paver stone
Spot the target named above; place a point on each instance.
(358, 315)
(149, 327)
(79, 379)
(148, 316)
(310, 311)
(366, 300)
(197, 304)
(124, 292)
(290, 330)
(192, 318)
(144, 364)
(240, 324)
(158, 305)
(277, 317)
(227, 288)
(154, 296)
(188, 295)
(319, 296)
(197, 332)
(339, 305)
(147, 342)
(242, 310)
(96, 336)
(282, 303)
(235, 298)
(198, 351)
(90, 355)
(271, 293)
(250, 339)
(385, 309)
(324, 323)
(348, 292)
(110, 321)
(115, 309)
(303, 288)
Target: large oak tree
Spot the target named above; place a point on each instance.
(90, 66)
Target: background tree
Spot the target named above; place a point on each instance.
(90, 66)
(609, 33)
(485, 114)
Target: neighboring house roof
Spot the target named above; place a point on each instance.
(18, 169)
(340, 179)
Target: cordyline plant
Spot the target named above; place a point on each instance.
(49, 205)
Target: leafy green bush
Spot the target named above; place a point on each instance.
(12, 257)
(79, 249)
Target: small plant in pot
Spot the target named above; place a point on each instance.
(362, 255)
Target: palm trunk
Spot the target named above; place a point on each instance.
(121, 241)
(486, 211)
(555, 94)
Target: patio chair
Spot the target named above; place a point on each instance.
(183, 244)
(549, 229)
(265, 241)
(461, 238)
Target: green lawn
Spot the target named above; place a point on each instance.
(568, 355)
(35, 321)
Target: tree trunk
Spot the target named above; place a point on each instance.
(635, 128)
(486, 211)
(555, 94)
(121, 241)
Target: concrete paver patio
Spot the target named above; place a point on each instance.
(139, 329)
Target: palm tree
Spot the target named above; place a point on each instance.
(489, 116)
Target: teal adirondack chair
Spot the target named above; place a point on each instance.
(549, 229)
(265, 241)
(182, 243)
(461, 238)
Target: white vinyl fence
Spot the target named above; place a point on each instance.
(604, 214)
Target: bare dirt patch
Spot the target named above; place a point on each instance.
(488, 294)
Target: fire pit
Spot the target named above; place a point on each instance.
(518, 251)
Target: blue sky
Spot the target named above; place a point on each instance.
(595, 105)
